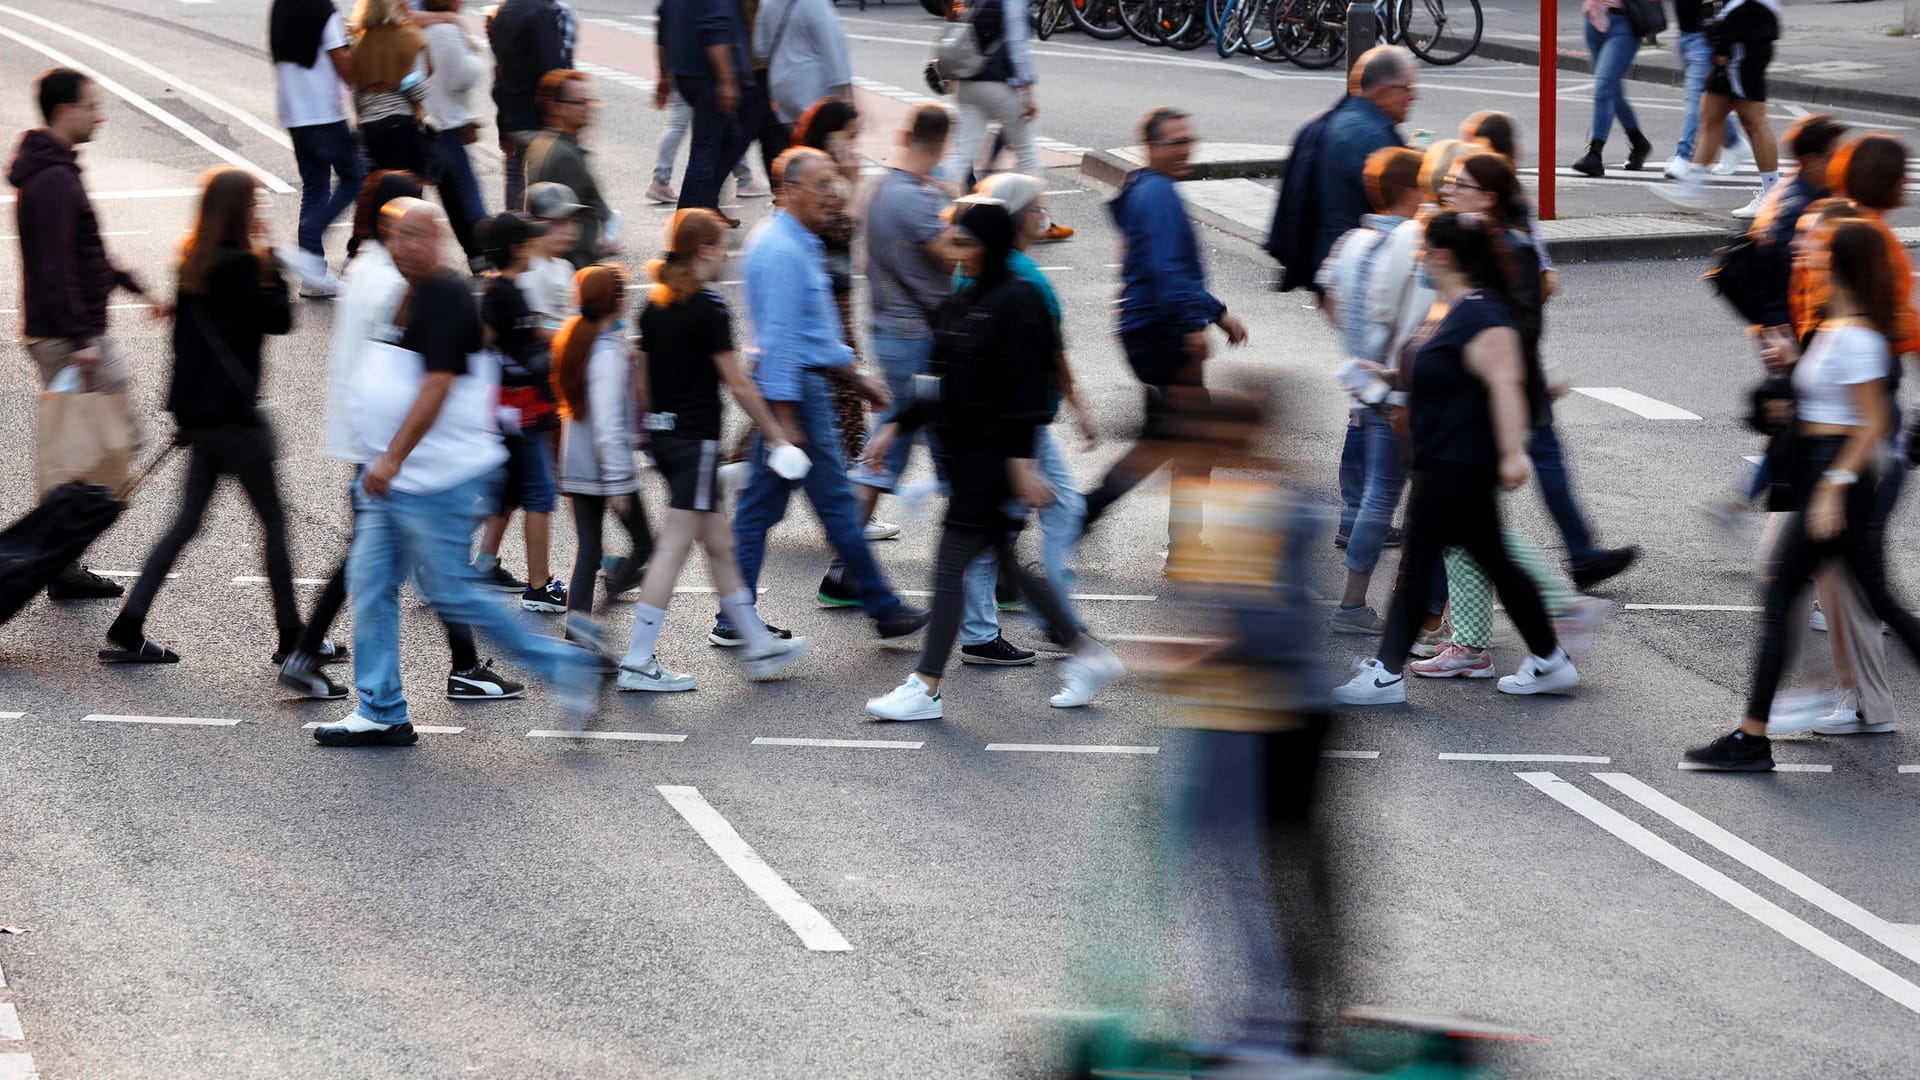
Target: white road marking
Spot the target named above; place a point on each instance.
(1133, 598)
(1762, 910)
(110, 307)
(3, 978)
(102, 718)
(1766, 865)
(1639, 404)
(1692, 607)
(10, 1023)
(10, 716)
(1753, 459)
(424, 729)
(815, 932)
(128, 574)
(192, 134)
(848, 744)
(273, 134)
(266, 581)
(149, 193)
(1063, 748)
(1576, 759)
(1360, 755)
(18, 1067)
(1694, 766)
(111, 232)
(627, 736)
(1160, 639)
(1903, 768)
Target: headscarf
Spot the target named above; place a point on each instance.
(987, 221)
(294, 28)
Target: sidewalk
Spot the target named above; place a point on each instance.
(1838, 53)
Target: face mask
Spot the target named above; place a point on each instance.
(1422, 278)
(959, 274)
(620, 325)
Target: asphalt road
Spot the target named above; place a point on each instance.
(233, 901)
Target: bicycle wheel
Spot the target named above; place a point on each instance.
(1098, 19)
(1183, 24)
(1441, 31)
(1218, 14)
(1049, 17)
(1137, 19)
(1301, 34)
(1255, 37)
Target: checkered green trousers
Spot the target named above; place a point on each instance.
(1470, 593)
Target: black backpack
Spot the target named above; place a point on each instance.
(1742, 274)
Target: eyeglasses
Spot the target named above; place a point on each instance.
(1185, 140)
(1405, 86)
(827, 186)
(1454, 183)
(576, 101)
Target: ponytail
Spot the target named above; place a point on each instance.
(601, 288)
(688, 232)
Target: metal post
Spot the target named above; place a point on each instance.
(1363, 32)
(1549, 102)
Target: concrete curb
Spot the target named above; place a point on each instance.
(1819, 93)
(1112, 166)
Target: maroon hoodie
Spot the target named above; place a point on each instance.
(65, 273)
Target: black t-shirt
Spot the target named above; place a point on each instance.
(1688, 16)
(442, 325)
(525, 361)
(680, 341)
(1450, 413)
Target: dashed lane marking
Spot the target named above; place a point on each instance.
(10, 716)
(1574, 759)
(268, 581)
(1692, 607)
(1063, 748)
(1637, 403)
(18, 1067)
(815, 932)
(148, 193)
(1355, 755)
(1910, 768)
(1694, 766)
(10, 1023)
(621, 736)
(202, 721)
(845, 744)
(424, 729)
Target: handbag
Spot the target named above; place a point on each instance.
(1739, 274)
(957, 51)
(85, 437)
(1646, 17)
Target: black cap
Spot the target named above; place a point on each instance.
(507, 230)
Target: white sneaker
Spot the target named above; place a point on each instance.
(661, 192)
(1375, 685)
(656, 678)
(779, 653)
(1687, 195)
(1797, 711)
(882, 530)
(754, 188)
(1430, 643)
(908, 701)
(1577, 625)
(1727, 165)
(1541, 676)
(1086, 673)
(1678, 167)
(1817, 621)
(1752, 209)
(1846, 720)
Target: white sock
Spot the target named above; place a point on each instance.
(1767, 180)
(646, 634)
(737, 608)
(1697, 174)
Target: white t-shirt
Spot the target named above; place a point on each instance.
(1836, 362)
(548, 286)
(313, 95)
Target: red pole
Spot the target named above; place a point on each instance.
(1549, 100)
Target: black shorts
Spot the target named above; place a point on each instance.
(1742, 49)
(692, 471)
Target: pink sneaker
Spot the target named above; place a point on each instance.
(1456, 661)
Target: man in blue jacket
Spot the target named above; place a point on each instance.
(1359, 126)
(703, 52)
(1165, 307)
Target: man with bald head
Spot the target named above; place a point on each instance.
(424, 421)
(1383, 95)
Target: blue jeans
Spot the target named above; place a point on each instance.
(1612, 53)
(1060, 527)
(900, 360)
(669, 146)
(1697, 57)
(1551, 469)
(764, 502)
(1386, 478)
(1353, 474)
(322, 151)
(425, 537)
(459, 190)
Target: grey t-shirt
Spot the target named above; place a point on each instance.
(904, 283)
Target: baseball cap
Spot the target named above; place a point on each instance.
(550, 200)
(507, 230)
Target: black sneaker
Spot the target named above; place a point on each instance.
(996, 653)
(1737, 752)
(80, 583)
(1006, 597)
(728, 638)
(302, 675)
(905, 622)
(836, 590)
(550, 598)
(482, 684)
(357, 730)
(1394, 536)
(1340, 540)
(498, 578)
(1604, 566)
(1053, 643)
(331, 652)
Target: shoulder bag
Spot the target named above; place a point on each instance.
(1647, 17)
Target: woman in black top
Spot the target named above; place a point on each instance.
(992, 385)
(1468, 418)
(230, 297)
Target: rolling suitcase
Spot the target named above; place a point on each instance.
(53, 535)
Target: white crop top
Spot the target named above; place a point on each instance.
(1838, 360)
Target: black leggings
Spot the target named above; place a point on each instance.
(959, 546)
(589, 512)
(1455, 506)
(1861, 544)
(246, 454)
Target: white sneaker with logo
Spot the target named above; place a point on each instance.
(1374, 685)
(1846, 720)
(774, 659)
(655, 678)
(1087, 672)
(1752, 209)
(1538, 675)
(908, 701)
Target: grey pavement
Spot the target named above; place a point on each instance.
(233, 901)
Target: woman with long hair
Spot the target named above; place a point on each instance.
(1611, 44)
(593, 379)
(230, 297)
(686, 346)
(1844, 407)
(389, 73)
(1467, 417)
(459, 65)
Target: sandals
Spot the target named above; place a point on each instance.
(149, 652)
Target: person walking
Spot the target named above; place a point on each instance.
(832, 126)
(1001, 94)
(593, 376)
(310, 50)
(805, 51)
(1363, 123)
(426, 422)
(1611, 46)
(1165, 309)
(996, 346)
(1696, 60)
(230, 297)
(389, 73)
(686, 344)
(66, 275)
(1844, 408)
(660, 190)
(1467, 420)
(555, 156)
(702, 54)
(457, 69)
(797, 348)
(1742, 36)
(529, 38)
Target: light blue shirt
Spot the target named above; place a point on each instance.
(793, 321)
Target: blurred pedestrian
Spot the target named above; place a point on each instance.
(1742, 35)
(1001, 94)
(1696, 59)
(703, 55)
(529, 38)
(457, 68)
(230, 298)
(389, 72)
(686, 342)
(805, 51)
(1611, 47)
(1364, 122)
(548, 282)
(556, 156)
(660, 190)
(310, 69)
